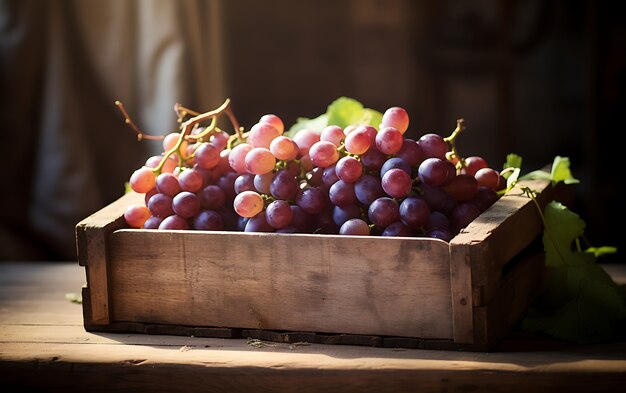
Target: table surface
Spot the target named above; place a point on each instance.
(44, 347)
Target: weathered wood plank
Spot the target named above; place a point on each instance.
(92, 248)
(322, 283)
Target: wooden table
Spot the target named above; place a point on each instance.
(44, 348)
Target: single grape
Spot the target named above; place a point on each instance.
(488, 177)
(355, 227)
(136, 215)
(284, 148)
(208, 220)
(244, 182)
(186, 204)
(167, 183)
(414, 212)
(274, 120)
(212, 197)
(433, 171)
(396, 117)
(142, 180)
(190, 180)
(358, 141)
(323, 154)
(389, 140)
(262, 134)
(219, 139)
(152, 222)
(284, 185)
(262, 182)
(278, 214)
(259, 160)
(160, 205)
(367, 189)
(342, 193)
(441, 234)
(248, 204)
(433, 146)
(396, 183)
(258, 223)
(237, 157)
(312, 200)
(174, 222)
(171, 140)
(329, 176)
(348, 169)
(333, 134)
(207, 155)
(323, 222)
(397, 229)
(383, 211)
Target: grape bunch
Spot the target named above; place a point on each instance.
(356, 180)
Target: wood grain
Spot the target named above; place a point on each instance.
(321, 283)
(92, 248)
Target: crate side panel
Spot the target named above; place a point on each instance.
(357, 285)
(518, 288)
(501, 233)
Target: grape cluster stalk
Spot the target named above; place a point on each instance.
(356, 180)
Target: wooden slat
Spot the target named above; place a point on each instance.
(461, 295)
(518, 288)
(321, 283)
(91, 241)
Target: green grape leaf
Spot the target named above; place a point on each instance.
(561, 171)
(582, 303)
(316, 124)
(342, 112)
(512, 161)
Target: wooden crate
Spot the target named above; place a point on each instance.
(383, 291)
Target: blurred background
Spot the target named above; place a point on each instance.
(536, 78)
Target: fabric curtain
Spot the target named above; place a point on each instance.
(63, 63)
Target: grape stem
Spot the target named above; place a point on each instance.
(453, 153)
(140, 135)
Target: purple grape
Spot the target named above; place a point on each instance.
(442, 234)
(174, 222)
(395, 162)
(433, 146)
(433, 171)
(152, 222)
(244, 182)
(167, 183)
(367, 189)
(383, 212)
(342, 214)
(208, 220)
(186, 204)
(411, 152)
(258, 223)
(329, 177)
(312, 200)
(355, 227)
(414, 212)
(284, 185)
(342, 193)
(397, 229)
(160, 205)
(278, 214)
(462, 187)
(462, 215)
(438, 220)
(373, 160)
(212, 197)
(396, 183)
(300, 219)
